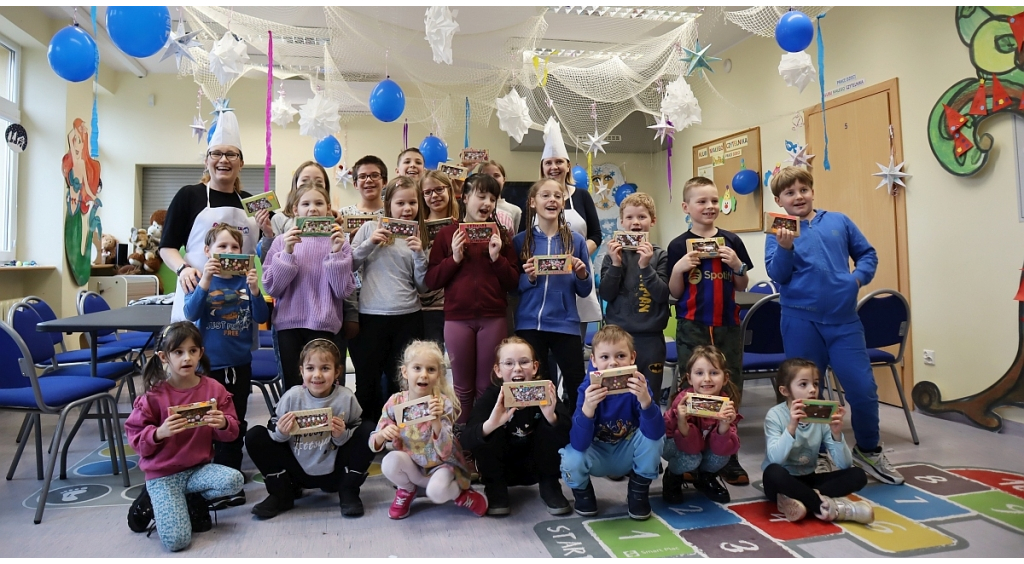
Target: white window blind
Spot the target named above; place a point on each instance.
(161, 183)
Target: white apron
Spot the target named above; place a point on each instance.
(195, 248)
(589, 307)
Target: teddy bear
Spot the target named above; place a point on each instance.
(145, 255)
(108, 249)
(139, 239)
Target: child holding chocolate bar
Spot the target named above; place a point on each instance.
(437, 200)
(310, 277)
(792, 448)
(228, 311)
(178, 459)
(700, 443)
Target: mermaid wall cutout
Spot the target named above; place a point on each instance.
(82, 225)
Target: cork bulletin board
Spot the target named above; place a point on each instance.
(720, 160)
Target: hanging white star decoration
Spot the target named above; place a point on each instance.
(797, 69)
(679, 105)
(441, 26)
(343, 176)
(221, 105)
(198, 128)
(179, 44)
(891, 176)
(596, 142)
(799, 157)
(663, 129)
(318, 117)
(513, 115)
(696, 59)
(281, 112)
(228, 58)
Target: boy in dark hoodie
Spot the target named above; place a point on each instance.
(614, 434)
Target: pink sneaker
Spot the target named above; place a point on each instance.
(402, 505)
(473, 501)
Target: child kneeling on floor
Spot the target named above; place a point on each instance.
(426, 452)
(517, 446)
(176, 449)
(333, 459)
(614, 434)
(792, 453)
(701, 443)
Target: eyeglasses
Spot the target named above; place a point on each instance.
(230, 156)
(370, 176)
(511, 364)
(428, 193)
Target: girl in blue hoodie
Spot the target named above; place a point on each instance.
(547, 317)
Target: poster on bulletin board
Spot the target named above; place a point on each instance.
(720, 160)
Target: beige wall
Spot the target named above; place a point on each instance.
(961, 293)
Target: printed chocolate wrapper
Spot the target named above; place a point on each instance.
(526, 394)
(400, 227)
(193, 412)
(819, 411)
(705, 406)
(233, 265)
(415, 411)
(552, 264)
(310, 421)
(630, 240)
(615, 379)
(320, 226)
(706, 248)
(265, 201)
(774, 221)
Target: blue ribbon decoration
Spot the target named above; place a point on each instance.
(467, 123)
(821, 84)
(94, 135)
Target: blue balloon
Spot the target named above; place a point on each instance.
(387, 101)
(745, 181)
(580, 178)
(139, 31)
(794, 31)
(434, 150)
(622, 191)
(72, 54)
(327, 151)
(209, 134)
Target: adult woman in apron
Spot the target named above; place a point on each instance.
(193, 212)
(580, 214)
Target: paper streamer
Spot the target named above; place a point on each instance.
(270, 98)
(467, 123)
(821, 84)
(405, 135)
(94, 135)
(669, 163)
(590, 171)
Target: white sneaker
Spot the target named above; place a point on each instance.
(825, 464)
(877, 465)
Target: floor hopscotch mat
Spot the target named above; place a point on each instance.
(90, 483)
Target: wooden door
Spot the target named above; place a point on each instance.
(858, 135)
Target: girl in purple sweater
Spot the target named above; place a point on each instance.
(310, 278)
(176, 449)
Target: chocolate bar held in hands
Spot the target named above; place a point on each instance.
(193, 412)
(630, 240)
(526, 394)
(265, 201)
(552, 264)
(400, 227)
(775, 221)
(478, 232)
(415, 411)
(316, 226)
(819, 411)
(233, 265)
(703, 405)
(615, 379)
(310, 421)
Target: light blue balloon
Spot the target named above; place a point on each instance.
(580, 178)
(72, 54)
(387, 101)
(139, 31)
(327, 151)
(435, 151)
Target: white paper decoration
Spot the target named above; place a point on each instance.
(441, 26)
(319, 117)
(513, 115)
(679, 105)
(228, 58)
(797, 69)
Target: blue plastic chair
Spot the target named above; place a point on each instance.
(266, 339)
(103, 352)
(762, 339)
(139, 341)
(266, 377)
(763, 287)
(885, 315)
(671, 369)
(22, 391)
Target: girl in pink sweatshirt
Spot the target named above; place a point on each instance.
(310, 277)
(174, 439)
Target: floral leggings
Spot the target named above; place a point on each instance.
(168, 496)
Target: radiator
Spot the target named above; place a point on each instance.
(119, 290)
(6, 305)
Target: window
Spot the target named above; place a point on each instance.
(10, 112)
(161, 183)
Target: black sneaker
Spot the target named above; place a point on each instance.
(585, 500)
(733, 473)
(228, 501)
(551, 493)
(672, 488)
(351, 505)
(272, 507)
(497, 499)
(707, 483)
(198, 512)
(638, 501)
(140, 514)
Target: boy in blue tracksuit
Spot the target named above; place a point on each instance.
(819, 305)
(614, 434)
(546, 316)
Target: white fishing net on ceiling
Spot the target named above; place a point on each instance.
(625, 69)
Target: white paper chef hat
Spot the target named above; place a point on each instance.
(226, 132)
(553, 144)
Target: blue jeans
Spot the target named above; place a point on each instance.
(637, 453)
(168, 496)
(679, 461)
(843, 348)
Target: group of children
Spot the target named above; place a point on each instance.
(367, 290)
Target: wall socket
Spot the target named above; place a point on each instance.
(929, 357)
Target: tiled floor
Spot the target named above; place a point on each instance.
(946, 510)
